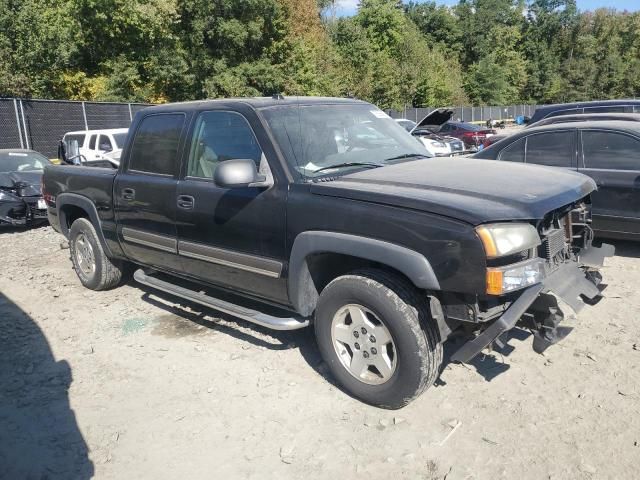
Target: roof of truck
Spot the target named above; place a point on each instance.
(257, 102)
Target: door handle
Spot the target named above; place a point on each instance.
(186, 202)
(128, 193)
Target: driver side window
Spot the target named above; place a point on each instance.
(221, 136)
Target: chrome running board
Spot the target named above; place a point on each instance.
(253, 316)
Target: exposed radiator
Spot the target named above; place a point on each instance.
(554, 242)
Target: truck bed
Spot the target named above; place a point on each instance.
(93, 182)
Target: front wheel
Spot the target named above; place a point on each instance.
(94, 269)
(375, 333)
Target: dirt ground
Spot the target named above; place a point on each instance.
(128, 384)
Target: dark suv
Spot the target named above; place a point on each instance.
(607, 151)
(326, 212)
(600, 106)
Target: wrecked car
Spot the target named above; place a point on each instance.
(21, 201)
(438, 144)
(325, 213)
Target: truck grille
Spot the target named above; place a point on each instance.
(554, 243)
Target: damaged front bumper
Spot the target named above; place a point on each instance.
(575, 283)
(21, 211)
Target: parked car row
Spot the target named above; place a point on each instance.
(443, 137)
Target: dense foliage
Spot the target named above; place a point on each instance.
(394, 54)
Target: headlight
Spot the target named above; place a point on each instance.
(437, 144)
(501, 280)
(501, 239)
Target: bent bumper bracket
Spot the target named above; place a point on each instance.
(569, 283)
(506, 322)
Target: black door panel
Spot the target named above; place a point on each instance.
(612, 159)
(232, 237)
(616, 204)
(145, 194)
(245, 225)
(152, 211)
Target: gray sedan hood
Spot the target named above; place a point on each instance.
(470, 190)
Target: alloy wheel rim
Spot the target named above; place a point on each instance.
(363, 344)
(85, 257)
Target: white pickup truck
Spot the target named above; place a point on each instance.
(95, 146)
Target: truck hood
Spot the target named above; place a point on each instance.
(469, 190)
(27, 184)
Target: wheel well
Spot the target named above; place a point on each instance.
(325, 267)
(70, 213)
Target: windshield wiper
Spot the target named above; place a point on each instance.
(406, 155)
(350, 164)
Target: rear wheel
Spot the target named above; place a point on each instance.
(94, 269)
(375, 333)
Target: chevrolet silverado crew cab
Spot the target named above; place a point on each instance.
(322, 212)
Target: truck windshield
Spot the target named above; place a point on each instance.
(314, 138)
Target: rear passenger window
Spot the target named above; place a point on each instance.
(221, 136)
(514, 152)
(555, 149)
(92, 142)
(610, 150)
(155, 146)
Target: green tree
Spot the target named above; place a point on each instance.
(438, 24)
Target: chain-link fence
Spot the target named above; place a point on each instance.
(469, 114)
(40, 124)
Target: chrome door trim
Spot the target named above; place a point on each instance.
(228, 258)
(153, 240)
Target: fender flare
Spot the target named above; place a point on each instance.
(88, 206)
(302, 292)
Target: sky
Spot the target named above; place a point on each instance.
(348, 7)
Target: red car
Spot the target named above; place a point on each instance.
(472, 135)
(493, 139)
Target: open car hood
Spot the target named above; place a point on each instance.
(435, 118)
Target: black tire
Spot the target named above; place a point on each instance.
(106, 273)
(405, 314)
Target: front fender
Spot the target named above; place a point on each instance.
(302, 292)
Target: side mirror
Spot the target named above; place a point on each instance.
(237, 174)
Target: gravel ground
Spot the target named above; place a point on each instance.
(129, 384)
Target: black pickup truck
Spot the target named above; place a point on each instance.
(292, 212)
